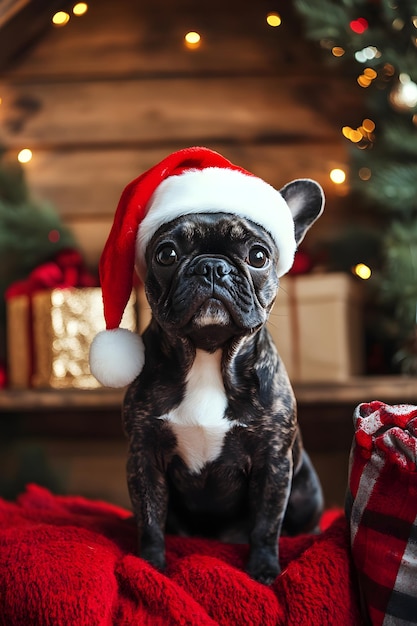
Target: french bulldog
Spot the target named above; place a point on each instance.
(214, 447)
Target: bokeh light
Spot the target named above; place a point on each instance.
(60, 18)
(25, 155)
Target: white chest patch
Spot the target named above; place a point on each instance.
(198, 422)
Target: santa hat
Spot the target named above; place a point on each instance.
(193, 180)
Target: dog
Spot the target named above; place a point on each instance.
(214, 445)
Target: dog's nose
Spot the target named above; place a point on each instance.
(212, 268)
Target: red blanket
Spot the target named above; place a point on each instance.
(67, 561)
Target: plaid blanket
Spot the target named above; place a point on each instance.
(382, 507)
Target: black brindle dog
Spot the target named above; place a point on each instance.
(214, 445)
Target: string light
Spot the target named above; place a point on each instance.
(192, 39)
(25, 155)
(362, 271)
(368, 125)
(366, 78)
(61, 18)
(362, 135)
(367, 54)
(403, 96)
(273, 19)
(353, 135)
(337, 176)
(359, 26)
(338, 51)
(80, 8)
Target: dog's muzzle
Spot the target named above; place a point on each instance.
(213, 291)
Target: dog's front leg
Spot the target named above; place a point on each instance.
(269, 492)
(149, 495)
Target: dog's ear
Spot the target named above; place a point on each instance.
(305, 198)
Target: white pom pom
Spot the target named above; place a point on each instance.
(116, 357)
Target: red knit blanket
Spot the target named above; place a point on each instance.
(67, 561)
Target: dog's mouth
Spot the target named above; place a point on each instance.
(211, 326)
(212, 312)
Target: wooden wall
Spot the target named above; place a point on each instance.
(105, 97)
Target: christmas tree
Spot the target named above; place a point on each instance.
(31, 232)
(375, 41)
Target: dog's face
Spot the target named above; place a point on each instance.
(211, 276)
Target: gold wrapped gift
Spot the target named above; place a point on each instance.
(19, 342)
(63, 324)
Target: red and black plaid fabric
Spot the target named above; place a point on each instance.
(382, 509)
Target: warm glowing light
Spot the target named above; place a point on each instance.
(362, 271)
(359, 26)
(273, 19)
(362, 134)
(353, 135)
(364, 81)
(365, 173)
(370, 73)
(192, 39)
(24, 155)
(80, 8)
(368, 125)
(337, 51)
(61, 18)
(337, 176)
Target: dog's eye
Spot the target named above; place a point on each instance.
(257, 257)
(166, 255)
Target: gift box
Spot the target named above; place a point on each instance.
(316, 323)
(52, 317)
(60, 324)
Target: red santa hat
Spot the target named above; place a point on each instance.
(193, 180)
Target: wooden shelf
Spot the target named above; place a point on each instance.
(36, 400)
(390, 389)
(325, 411)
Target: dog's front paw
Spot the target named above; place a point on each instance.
(263, 567)
(153, 555)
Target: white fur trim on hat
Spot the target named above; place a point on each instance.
(116, 357)
(214, 190)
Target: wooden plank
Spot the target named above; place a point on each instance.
(84, 187)
(8, 8)
(389, 389)
(147, 37)
(17, 400)
(159, 112)
(88, 183)
(21, 24)
(90, 235)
